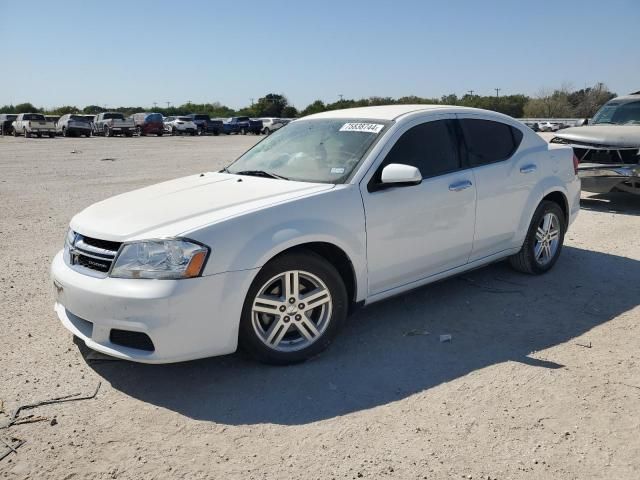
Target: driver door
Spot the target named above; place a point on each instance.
(414, 232)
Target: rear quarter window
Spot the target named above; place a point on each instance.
(488, 141)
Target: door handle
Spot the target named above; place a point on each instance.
(528, 169)
(459, 186)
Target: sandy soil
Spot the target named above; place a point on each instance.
(541, 380)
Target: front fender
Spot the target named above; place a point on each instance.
(249, 241)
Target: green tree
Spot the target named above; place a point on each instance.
(315, 107)
(64, 110)
(93, 109)
(271, 105)
(26, 108)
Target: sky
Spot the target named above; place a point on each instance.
(121, 52)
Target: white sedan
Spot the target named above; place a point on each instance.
(180, 125)
(339, 209)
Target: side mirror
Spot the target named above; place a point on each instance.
(396, 175)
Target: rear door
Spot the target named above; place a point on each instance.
(414, 232)
(504, 178)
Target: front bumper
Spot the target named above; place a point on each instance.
(185, 319)
(601, 178)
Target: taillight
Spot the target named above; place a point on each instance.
(575, 164)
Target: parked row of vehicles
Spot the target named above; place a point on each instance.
(109, 124)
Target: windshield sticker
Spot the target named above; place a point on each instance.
(362, 127)
(337, 170)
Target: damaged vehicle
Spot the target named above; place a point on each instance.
(608, 148)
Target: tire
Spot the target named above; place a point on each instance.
(52, 135)
(39, 135)
(266, 131)
(534, 258)
(159, 134)
(295, 337)
(26, 134)
(216, 133)
(193, 133)
(107, 131)
(64, 132)
(15, 132)
(243, 131)
(88, 135)
(200, 131)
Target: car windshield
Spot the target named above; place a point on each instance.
(324, 151)
(618, 114)
(184, 119)
(33, 116)
(153, 117)
(115, 116)
(78, 118)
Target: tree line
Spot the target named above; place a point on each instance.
(547, 103)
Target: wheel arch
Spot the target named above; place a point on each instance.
(336, 256)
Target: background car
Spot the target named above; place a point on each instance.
(74, 125)
(180, 126)
(6, 123)
(548, 126)
(205, 124)
(113, 123)
(148, 123)
(608, 147)
(271, 124)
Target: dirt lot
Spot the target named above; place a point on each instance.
(541, 380)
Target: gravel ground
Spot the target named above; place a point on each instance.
(541, 380)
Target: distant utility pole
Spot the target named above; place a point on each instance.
(340, 95)
(470, 92)
(155, 104)
(168, 104)
(252, 99)
(498, 92)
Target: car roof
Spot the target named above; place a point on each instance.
(387, 112)
(634, 97)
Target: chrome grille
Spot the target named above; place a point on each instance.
(93, 253)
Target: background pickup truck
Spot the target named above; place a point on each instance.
(28, 124)
(205, 124)
(242, 125)
(113, 123)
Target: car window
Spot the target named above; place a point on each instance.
(429, 146)
(488, 141)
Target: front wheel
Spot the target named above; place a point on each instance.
(543, 242)
(293, 310)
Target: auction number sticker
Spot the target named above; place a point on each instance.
(362, 127)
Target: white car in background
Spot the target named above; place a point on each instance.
(339, 209)
(271, 124)
(548, 127)
(180, 126)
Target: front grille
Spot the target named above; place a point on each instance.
(93, 253)
(127, 338)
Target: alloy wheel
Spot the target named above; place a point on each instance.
(291, 311)
(547, 239)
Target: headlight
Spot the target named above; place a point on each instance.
(162, 259)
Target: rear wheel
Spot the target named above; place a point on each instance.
(243, 131)
(293, 310)
(52, 135)
(107, 131)
(543, 242)
(25, 133)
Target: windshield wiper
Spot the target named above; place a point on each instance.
(261, 173)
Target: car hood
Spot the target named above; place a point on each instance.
(185, 204)
(608, 135)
